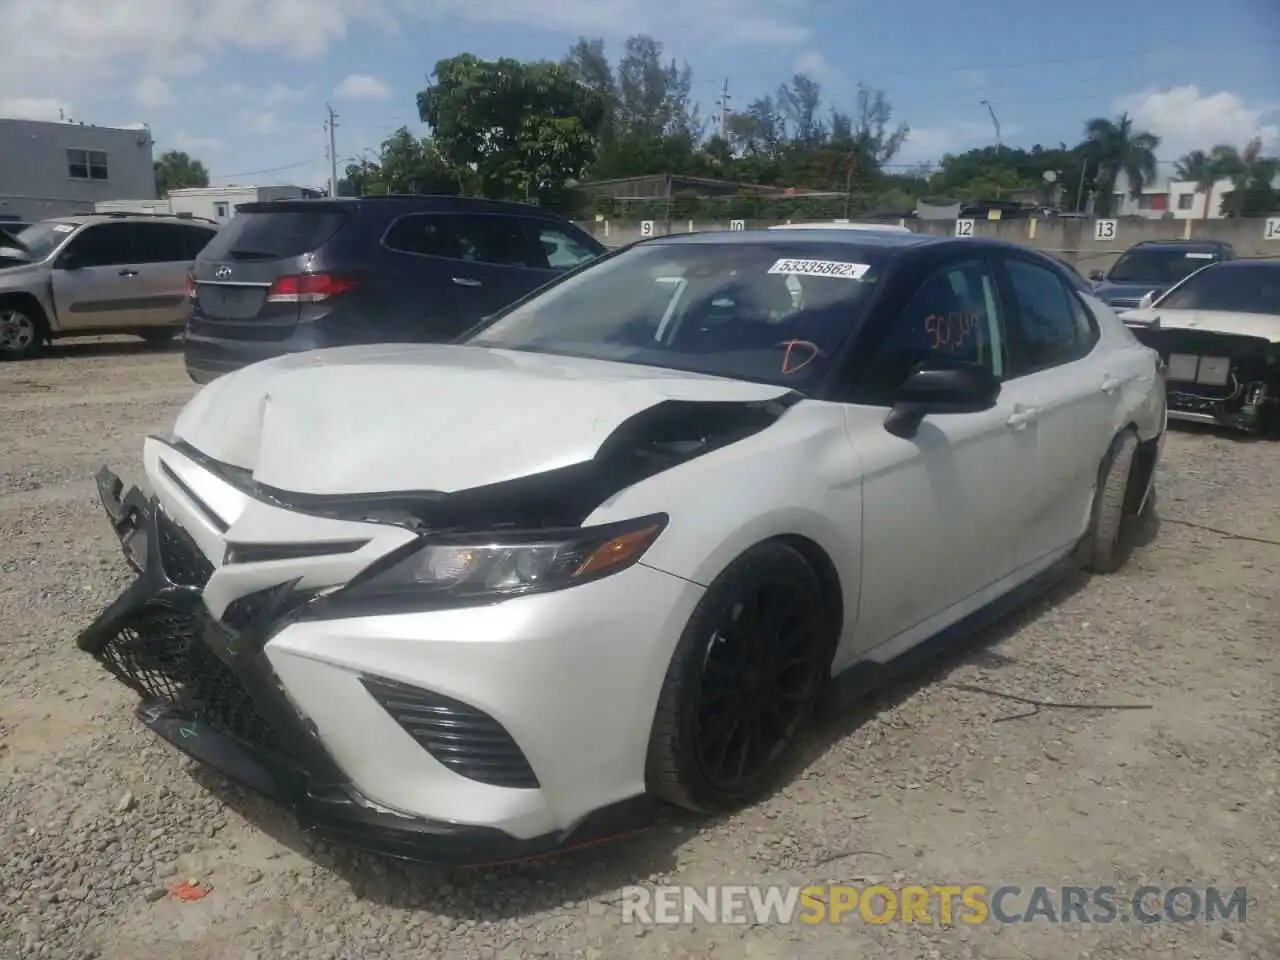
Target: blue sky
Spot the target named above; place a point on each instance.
(242, 84)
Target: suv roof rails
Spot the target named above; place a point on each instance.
(152, 213)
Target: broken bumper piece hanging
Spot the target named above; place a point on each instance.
(209, 690)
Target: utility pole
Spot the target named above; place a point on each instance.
(330, 125)
(724, 110)
(995, 123)
(1084, 172)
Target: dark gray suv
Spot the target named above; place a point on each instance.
(290, 275)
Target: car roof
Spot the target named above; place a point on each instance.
(818, 235)
(843, 225)
(1188, 244)
(409, 202)
(83, 218)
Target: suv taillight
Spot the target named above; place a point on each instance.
(310, 288)
(191, 284)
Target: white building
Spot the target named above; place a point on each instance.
(1179, 198)
(210, 203)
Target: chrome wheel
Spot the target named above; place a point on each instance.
(17, 332)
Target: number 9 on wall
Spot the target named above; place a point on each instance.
(1104, 230)
(646, 228)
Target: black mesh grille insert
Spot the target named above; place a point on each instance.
(469, 742)
(181, 559)
(160, 654)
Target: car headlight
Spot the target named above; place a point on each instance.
(490, 567)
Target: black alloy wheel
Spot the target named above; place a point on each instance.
(757, 677)
(743, 682)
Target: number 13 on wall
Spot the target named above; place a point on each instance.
(1104, 229)
(1271, 230)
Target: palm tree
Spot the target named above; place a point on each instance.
(1207, 168)
(1116, 147)
(1246, 170)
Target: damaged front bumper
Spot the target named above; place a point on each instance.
(1223, 379)
(209, 690)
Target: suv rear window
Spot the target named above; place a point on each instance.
(275, 235)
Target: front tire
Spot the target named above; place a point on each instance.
(22, 331)
(742, 683)
(1102, 549)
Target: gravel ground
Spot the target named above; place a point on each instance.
(924, 785)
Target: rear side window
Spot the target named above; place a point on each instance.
(562, 248)
(274, 235)
(194, 240)
(475, 238)
(165, 242)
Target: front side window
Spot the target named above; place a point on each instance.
(1237, 287)
(953, 316)
(87, 164)
(1051, 327)
(769, 312)
(41, 239)
(102, 245)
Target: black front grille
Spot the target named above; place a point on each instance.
(182, 560)
(468, 741)
(160, 654)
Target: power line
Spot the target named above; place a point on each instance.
(254, 173)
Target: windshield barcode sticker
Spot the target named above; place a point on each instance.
(821, 268)
(63, 227)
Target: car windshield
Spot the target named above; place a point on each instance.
(1159, 265)
(41, 239)
(769, 312)
(1238, 287)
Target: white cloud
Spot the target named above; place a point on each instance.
(153, 92)
(928, 144)
(33, 108)
(191, 143)
(1185, 119)
(972, 79)
(362, 86)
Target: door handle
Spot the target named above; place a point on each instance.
(1110, 384)
(1021, 418)
(466, 282)
(128, 273)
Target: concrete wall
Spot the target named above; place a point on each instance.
(1070, 238)
(35, 180)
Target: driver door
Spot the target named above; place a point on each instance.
(94, 278)
(941, 509)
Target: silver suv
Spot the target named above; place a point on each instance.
(94, 275)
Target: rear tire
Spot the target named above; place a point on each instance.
(1102, 548)
(742, 683)
(23, 329)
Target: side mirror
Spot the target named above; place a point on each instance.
(1097, 276)
(935, 388)
(1147, 300)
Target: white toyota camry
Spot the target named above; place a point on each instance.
(465, 602)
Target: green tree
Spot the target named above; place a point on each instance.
(176, 169)
(512, 130)
(1115, 147)
(412, 164)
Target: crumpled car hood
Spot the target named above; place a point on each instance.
(430, 417)
(1261, 325)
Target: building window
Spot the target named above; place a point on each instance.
(220, 210)
(1153, 201)
(1186, 201)
(87, 164)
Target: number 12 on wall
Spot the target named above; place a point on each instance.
(1104, 230)
(964, 228)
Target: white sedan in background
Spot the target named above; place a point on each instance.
(1218, 332)
(465, 602)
